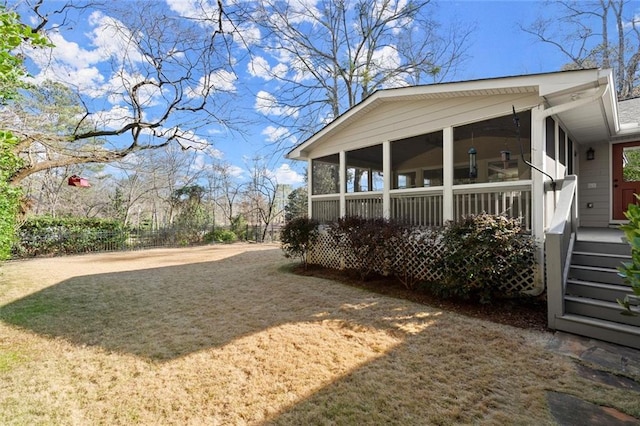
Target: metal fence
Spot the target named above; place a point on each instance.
(60, 241)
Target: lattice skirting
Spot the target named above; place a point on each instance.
(528, 280)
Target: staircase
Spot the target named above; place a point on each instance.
(592, 287)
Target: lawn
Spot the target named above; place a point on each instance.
(227, 335)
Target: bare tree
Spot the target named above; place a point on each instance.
(165, 73)
(226, 190)
(262, 195)
(333, 54)
(600, 33)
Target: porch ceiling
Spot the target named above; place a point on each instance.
(590, 122)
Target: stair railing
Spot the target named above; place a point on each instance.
(559, 240)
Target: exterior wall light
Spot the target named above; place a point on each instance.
(591, 154)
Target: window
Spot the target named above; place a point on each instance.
(561, 147)
(497, 150)
(417, 161)
(406, 180)
(325, 176)
(570, 154)
(551, 138)
(631, 164)
(364, 169)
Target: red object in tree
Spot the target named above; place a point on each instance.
(78, 181)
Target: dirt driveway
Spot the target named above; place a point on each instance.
(225, 335)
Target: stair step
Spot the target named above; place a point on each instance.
(598, 309)
(600, 247)
(594, 290)
(607, 331)
(603, 260)
(595, 274)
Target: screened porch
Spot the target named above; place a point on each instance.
(430, 178)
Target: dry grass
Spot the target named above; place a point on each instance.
(224, 335)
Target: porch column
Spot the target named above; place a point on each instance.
(539, 201)
(386, 176)
(309, 188)
(537, 156)
(447, 174)
(343, 183)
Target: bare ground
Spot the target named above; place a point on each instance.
(227, 335)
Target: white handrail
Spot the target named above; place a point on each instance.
(565, 212)
(558, 246)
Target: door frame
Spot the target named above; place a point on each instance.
(612, 206)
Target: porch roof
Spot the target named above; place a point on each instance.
(584, 100)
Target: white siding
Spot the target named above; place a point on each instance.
(397, 120)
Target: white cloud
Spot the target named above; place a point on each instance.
(85, 68)
(275, 134)
(300, 11)
(234, 171)
(217, 81)
(204, 157)
(285, 175)
(121, 84)
(385, 9)
(246, 34)
(113, 40)
(280, 70)
(267, 104)
(386, 57)
(259, 67)
(115, 118)
(223, 81)
(186, 138)
(73, 65)
(204, 12)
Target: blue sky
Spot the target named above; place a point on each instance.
(497, 48)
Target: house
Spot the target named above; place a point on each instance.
(555, 149)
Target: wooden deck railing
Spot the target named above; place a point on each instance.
(511, 200)
(367, 205)
(420, 209)
(325, 208)
(425, 206)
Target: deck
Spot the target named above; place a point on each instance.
(603, 235)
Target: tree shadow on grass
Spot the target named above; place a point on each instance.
(381, 360)
(165, 313)
(438, 376)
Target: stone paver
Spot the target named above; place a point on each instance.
(601, 362)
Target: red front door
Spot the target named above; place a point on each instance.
(626, 176)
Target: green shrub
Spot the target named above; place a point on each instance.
(9, 206)
(297, 237)
(370, 242)
(220, 236)
(9, 194)
(630, 271)
(45, 235)
(480, 253)
(239, 227)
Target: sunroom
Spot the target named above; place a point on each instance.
(428, 154)
(431, 177)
